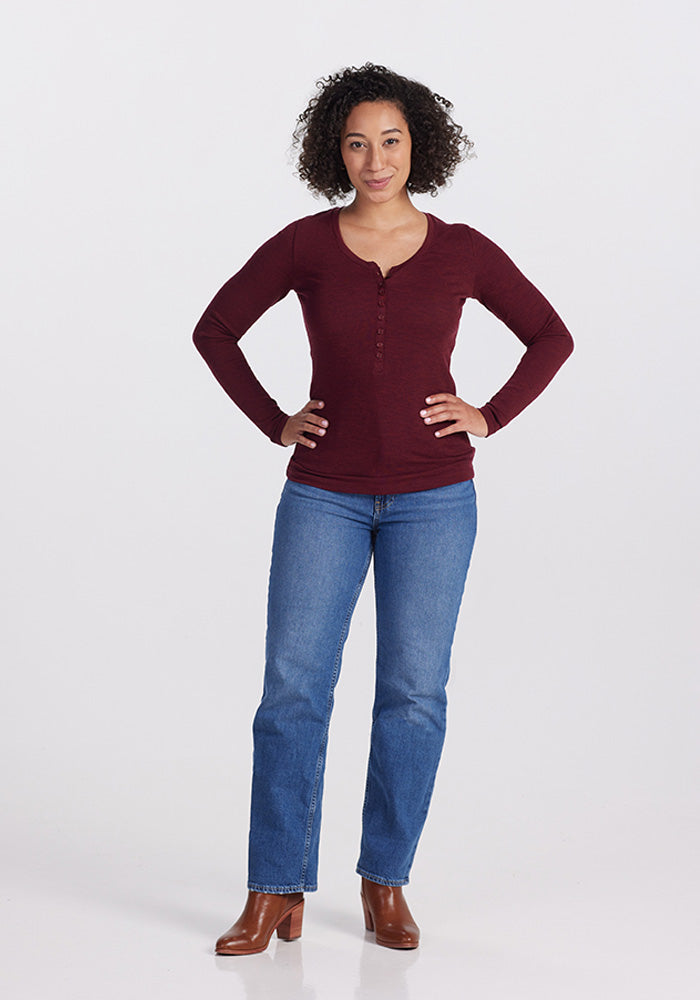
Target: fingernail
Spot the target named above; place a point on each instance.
(325, 423)
(423, 413)
(437, 434)
(427, 420)
(429, 399)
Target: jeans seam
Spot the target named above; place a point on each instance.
(280, 889)
(324, 738)
(382, 502)
(381, 879)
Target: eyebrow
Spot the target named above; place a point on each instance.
(362, 135)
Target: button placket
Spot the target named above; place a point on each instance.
(381, 324)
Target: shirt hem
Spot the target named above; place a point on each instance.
(456, 472)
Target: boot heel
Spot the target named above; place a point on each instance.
(369, 923)
(290, 928)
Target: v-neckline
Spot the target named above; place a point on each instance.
(335, 220)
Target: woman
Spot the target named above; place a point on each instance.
(382, 470)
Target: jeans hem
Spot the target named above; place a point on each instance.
(281, 889)
(380, 878)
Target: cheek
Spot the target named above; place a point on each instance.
(349, 165)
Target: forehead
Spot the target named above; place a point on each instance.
(374, 116)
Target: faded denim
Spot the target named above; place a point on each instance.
(323, 545)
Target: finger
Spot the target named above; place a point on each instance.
(438, 413)
(451, 429)
(313, 404)
(313, 418)
(307, 442)
(313, 429)
(450, 401)
(440, 397)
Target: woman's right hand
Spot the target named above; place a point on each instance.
(305, 422)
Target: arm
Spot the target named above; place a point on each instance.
(508, 294)
(265, 279)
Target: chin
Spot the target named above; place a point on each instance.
(386, 194)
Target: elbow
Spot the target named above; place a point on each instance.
(569, 346)
(565, 342)
(199, 336)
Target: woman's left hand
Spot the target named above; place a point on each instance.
(445, 406)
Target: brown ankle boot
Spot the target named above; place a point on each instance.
(388, 915)
(264, 913)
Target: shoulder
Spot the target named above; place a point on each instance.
(316, 222)
(312, 236)
(301, 233)
(454, 237)
(318, 218)
(461, 235)
(307, 224)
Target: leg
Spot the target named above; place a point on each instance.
(321, 552)
(423, 547)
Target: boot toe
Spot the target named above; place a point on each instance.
(403, 936)
(264, 914)
(388, 915)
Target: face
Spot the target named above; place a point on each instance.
(376, 148)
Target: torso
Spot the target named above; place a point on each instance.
(386, 248)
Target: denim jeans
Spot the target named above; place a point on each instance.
(323, 544)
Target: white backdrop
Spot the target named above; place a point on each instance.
(146, 157)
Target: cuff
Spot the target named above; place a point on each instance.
(275, 433)
(491, 422)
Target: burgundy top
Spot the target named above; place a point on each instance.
(379, 346)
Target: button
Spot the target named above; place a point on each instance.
(380, 315)
(380, 343)
(379, 354)
(380, 331)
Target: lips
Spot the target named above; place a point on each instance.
(377, 185)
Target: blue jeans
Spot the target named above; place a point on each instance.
(322, 548)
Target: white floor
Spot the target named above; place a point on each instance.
(122, 943)
(107, 901)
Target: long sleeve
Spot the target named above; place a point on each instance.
(510, 296)
(265, 279)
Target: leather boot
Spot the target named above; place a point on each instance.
(388, 915)
(264, 913)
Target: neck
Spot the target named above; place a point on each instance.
(382, 215)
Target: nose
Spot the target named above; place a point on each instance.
(376, 158)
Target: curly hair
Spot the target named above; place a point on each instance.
(438, 144)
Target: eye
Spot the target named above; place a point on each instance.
(355, 144)
(392, 141)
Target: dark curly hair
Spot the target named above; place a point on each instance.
(438, 144)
